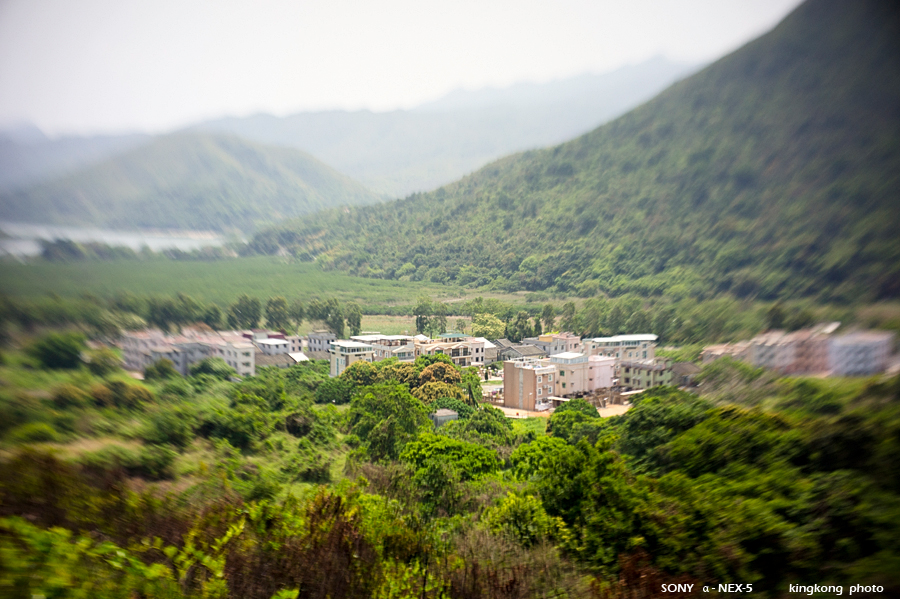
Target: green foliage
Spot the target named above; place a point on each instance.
(58, 350)
(360, 374)
(424, 361)
(174, 426)
(440, 372)
(528, 458)
(577, 405)
(385, 417)
(470, 460)
(245, 312)
(33, 432)
(682, 196)
(103, 362)
(523, 517)
(246, 421)
(278, 314)
(153, 462)
(70, 396)
(463, 409)
(657, 417)
(563, 425)
(57, 563)
(431, 392)
(160, 370)
(336, 391)
(354, 318)
(214, 367)
(488, 326)
(490, 422)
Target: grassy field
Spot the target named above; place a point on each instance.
(219, 282)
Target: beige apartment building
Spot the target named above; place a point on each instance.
(462, 349)
(344, 353)
(402, 347)
(579, 374)
(555, 343)
(528, 382)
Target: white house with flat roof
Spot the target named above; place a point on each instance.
(578, 373)
(402, 347)
(860, 353)
(273, 347)
(344, 353)
(623, 347)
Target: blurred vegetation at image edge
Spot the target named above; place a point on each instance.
(291, 484)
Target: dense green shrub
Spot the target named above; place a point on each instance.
(103, 362)
(33, 432)
(213, 366)
(58, 350)
(160, 370)
(524, 518)
(153, 462)
(102, 395)
(462, 409)
(336, 391)
(385, 417)
(172, 427)
(470, 460)
(70, 396)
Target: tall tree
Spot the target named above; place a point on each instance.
(297, 312)
(354, 318)
(422, 312)
(567, 318)
(334, 317)
(277, 314)
(245, 312)
(615, 319)
(439, 320)
(212, 316)
(316, 310)
(487, 326)
(548, 317)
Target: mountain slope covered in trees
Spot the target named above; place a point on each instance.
(773, 173)
(189, 181)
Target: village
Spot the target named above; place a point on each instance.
(530, 378)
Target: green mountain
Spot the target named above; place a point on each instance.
(773, 173)
(189, 181)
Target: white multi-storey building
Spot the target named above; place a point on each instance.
(862, 353)
(623, 347)
(402, 347)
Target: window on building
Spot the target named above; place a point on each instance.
(562, 373)
(540, 391)
(564, 385)
(549, 378)
(540, 379)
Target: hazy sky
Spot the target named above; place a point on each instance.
(88, 66)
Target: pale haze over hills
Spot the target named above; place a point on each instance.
(392, 153)
(400, 152)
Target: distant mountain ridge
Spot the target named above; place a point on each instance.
(189, 181)
(772, 173)
(28, 157)
(401, 152)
